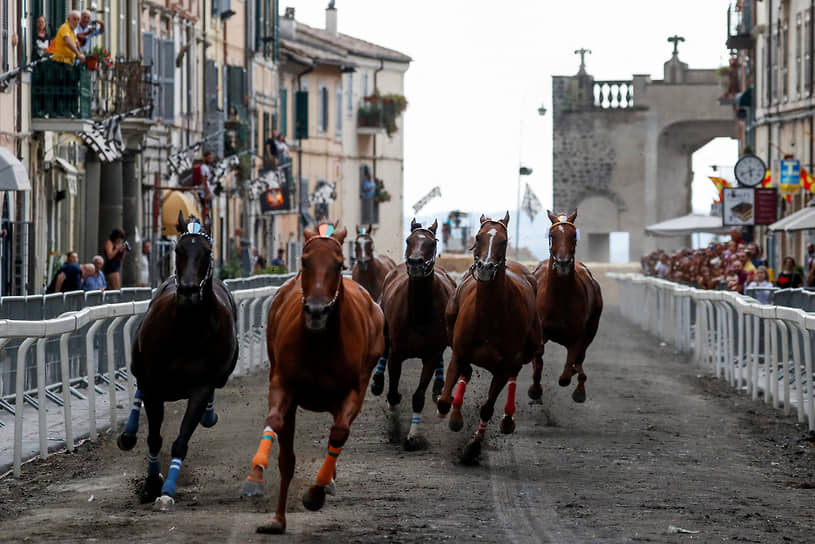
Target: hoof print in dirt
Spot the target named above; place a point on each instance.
(415, 443)
(471, 453)
(314, 498)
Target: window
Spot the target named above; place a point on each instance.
(776, 52)
(4, 19)
(785, 73)
(167, 82)
(338, 111)
(807, 69)
(368, 206)
(798, 67)
(349, 93)
(364, 84)
(763, 71)
(322, 114)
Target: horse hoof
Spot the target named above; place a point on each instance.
(443, 407)
(314, 498)
(251, 489)
(331, 488)
(274, 527)
(152, 488)
(471, 452)
(126, 441)
(535, 393)
(456, 422)
(564, 382)
(415, 443)
(165, 503)
(378, 384)
(438, 385)
(208, 422)
(394, 399)
(507, 425)
(579, 396)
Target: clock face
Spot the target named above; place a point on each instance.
(750, 170)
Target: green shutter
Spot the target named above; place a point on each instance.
(276, 31)
(301, 115)
(258, 24)
(284, 112)
(235, 89)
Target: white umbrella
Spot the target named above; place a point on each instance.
(688, 224)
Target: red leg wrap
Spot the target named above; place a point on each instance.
(458, 400)
(509, 408)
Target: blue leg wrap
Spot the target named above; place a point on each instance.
(380, 368)
(169, 484)
(210, 418)
(440, 371)
(132, 425)
(153, 465)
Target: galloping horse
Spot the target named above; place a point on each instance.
(569, 305)
(493, 324)
(413, 300)
(369, 270)
(324, 338)
(185, 348)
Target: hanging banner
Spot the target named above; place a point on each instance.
(737, 207)
(788, 175)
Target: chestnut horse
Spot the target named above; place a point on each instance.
(369, 270)
(324, 337)
(569, 305)
(413, 300)
(493, 323)
(185, 348)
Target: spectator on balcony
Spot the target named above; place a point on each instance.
(42, 39)
(789, 277)
(66, 47)
(95, 279)
(282, 150)
(88, 29)
(272, 148)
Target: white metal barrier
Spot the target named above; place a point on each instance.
(253, 308)
(756, 347)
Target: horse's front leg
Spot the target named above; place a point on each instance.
(285, 464)
(574, 365)
(196, 406)
(414, 440)
(394, 376)
(457, 373)
(473, 448)
(535, 391)
(154, 409)
(378, 380)
(127, 439)
(314, 498)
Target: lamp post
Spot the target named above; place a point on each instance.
(522, 171)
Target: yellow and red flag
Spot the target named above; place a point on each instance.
(768, 178)
(807, 181)
(720, 184)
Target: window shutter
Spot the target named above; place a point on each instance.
(235, 88)
(338, 110)
(4, 33)
(284, 112)
(322, 110)
(301, 115)
(214, 117)
(259, 5)
(276, 30)
(149, 56)
(168, 80)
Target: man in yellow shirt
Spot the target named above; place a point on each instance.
(66, 48)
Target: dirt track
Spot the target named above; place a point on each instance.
(659, 443)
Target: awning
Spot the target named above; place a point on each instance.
(800, 220)
(13, 175)
(171, 203)
(71, 173)
(688, 224)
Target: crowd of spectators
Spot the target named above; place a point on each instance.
(734, 266)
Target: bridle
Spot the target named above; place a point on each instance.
(431, 262)
(562, 221)
(503, 260)
(336, 296)
(208, 276)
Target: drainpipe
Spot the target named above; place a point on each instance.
(811, 76)
(769, 73)
(376, 89)
(300, 162)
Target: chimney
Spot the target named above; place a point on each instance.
(331, 18)
(288, 26)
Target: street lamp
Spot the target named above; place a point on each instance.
(522, 171)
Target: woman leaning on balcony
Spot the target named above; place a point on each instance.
(66, 48)
(42, 39)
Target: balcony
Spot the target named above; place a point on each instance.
(739, 25)
(378, 113)
(65, 97)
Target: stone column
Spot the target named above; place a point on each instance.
(92, 236)
(110, 200)
(131, 215)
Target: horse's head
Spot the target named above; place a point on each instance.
(420, 253)
(563, 238)
(490, 248)
(193, 260)
(321, 274)
(364, 247)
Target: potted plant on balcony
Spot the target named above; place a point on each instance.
(382, 194)
(98, 56)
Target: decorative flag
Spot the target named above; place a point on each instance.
(531, 205)
(720, 184)
(434, 192)
(768, 178)
(807, 181)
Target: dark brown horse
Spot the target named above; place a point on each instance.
(324, 338)
(369, 270)
(414, 299)
(569, 305)
(493, 324)
(185, 348)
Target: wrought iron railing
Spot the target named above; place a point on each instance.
(613, 94)
(61, 90)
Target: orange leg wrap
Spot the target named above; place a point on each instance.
(261, 458)
(326, 473)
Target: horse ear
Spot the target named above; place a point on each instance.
(572, 217)
(483, 218)
(358, 231)
(505, 220)
(370, 229)
(434, 226)
(309, 233)
(340, 235)
(414, 224)
(181, 226)
(552, 217)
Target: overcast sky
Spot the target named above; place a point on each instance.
(481, 69)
